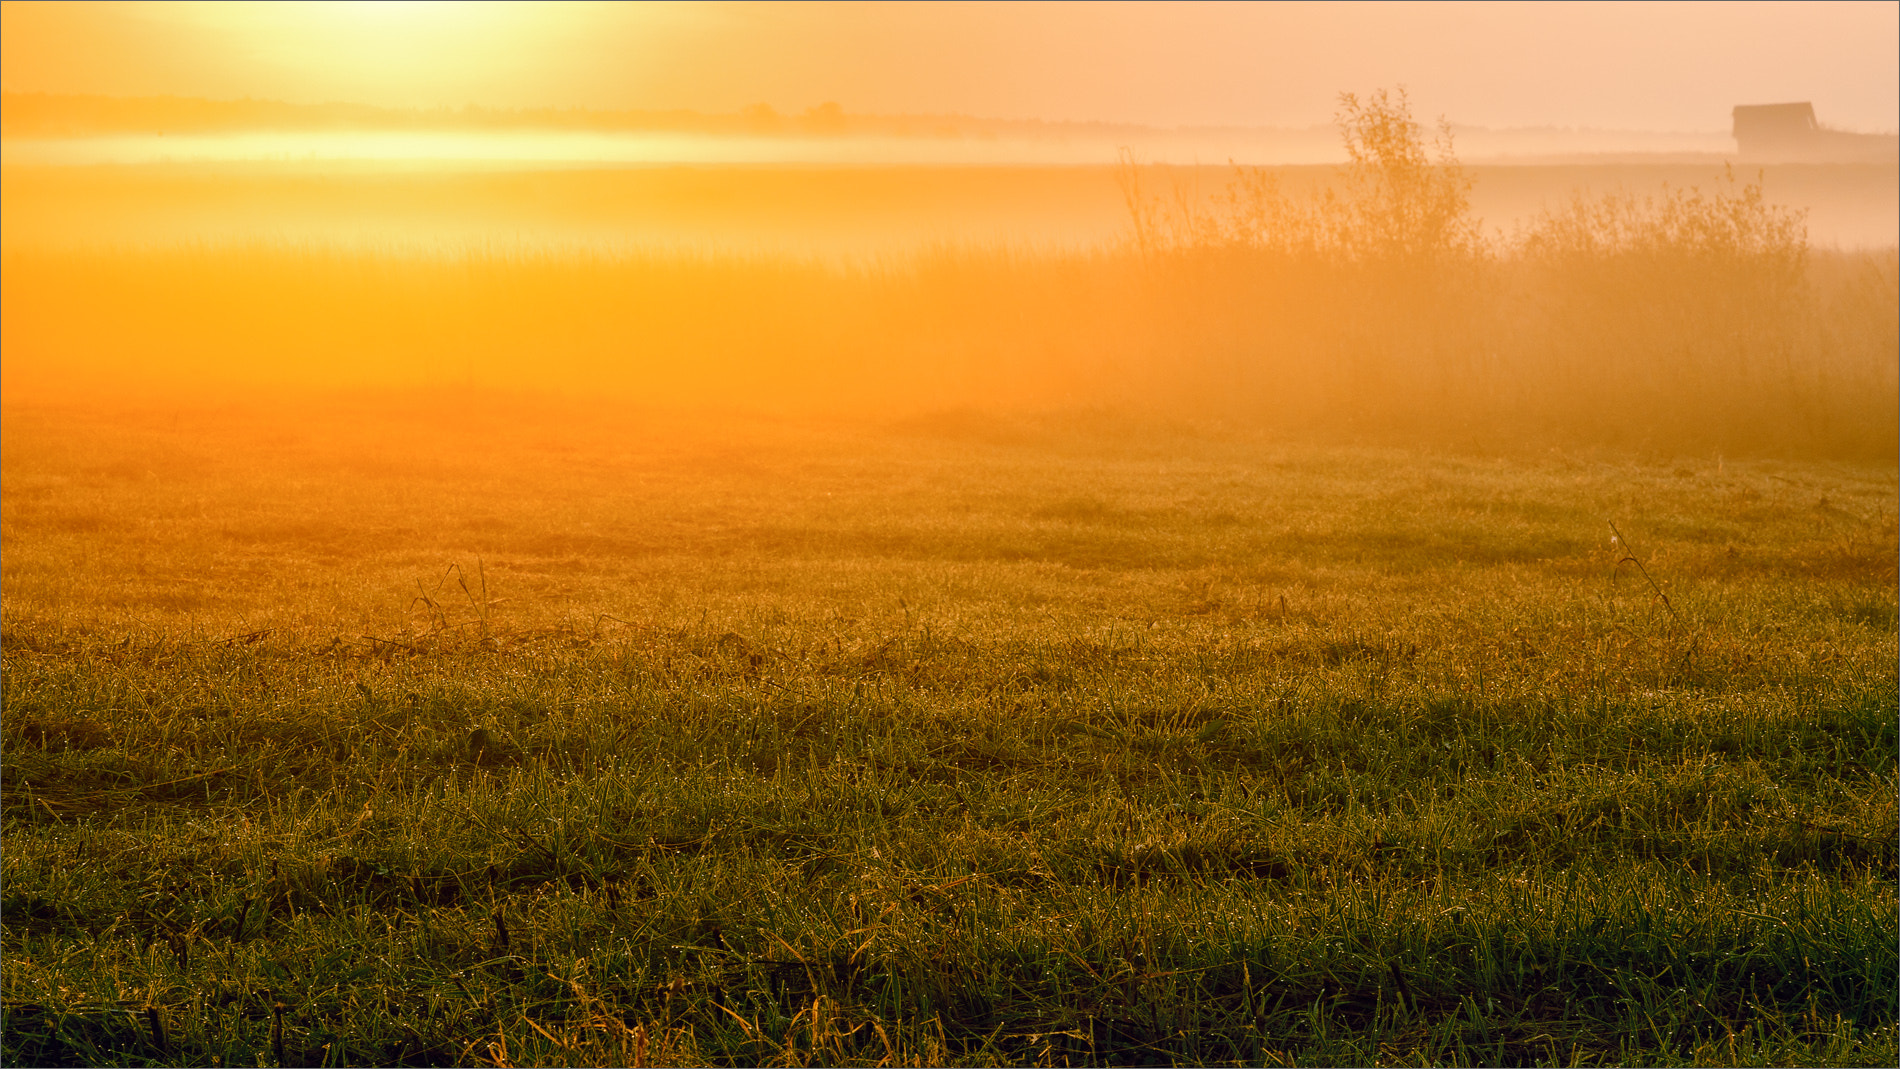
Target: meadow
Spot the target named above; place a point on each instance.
(957, 739)
(1313, 630)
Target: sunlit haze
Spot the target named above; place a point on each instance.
(1022, 534)
(1665, 66)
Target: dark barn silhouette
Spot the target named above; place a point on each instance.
(1773, 133)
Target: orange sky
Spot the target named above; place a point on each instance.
(1663, 66)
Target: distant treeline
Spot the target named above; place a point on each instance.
(26, 115)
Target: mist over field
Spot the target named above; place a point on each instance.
(1104, 550)
(1666, 306)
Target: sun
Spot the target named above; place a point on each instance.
(396, 52)
(384, 13)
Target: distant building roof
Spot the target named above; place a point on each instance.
(1790, 132)
(1774, 120)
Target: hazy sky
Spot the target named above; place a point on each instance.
(1644, 66)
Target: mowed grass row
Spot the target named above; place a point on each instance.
(1024, 753)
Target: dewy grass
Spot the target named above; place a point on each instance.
(973, 739)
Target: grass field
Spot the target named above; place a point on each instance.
(451, 728)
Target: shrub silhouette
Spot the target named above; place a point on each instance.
(1378, 300)
(1400, 198)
